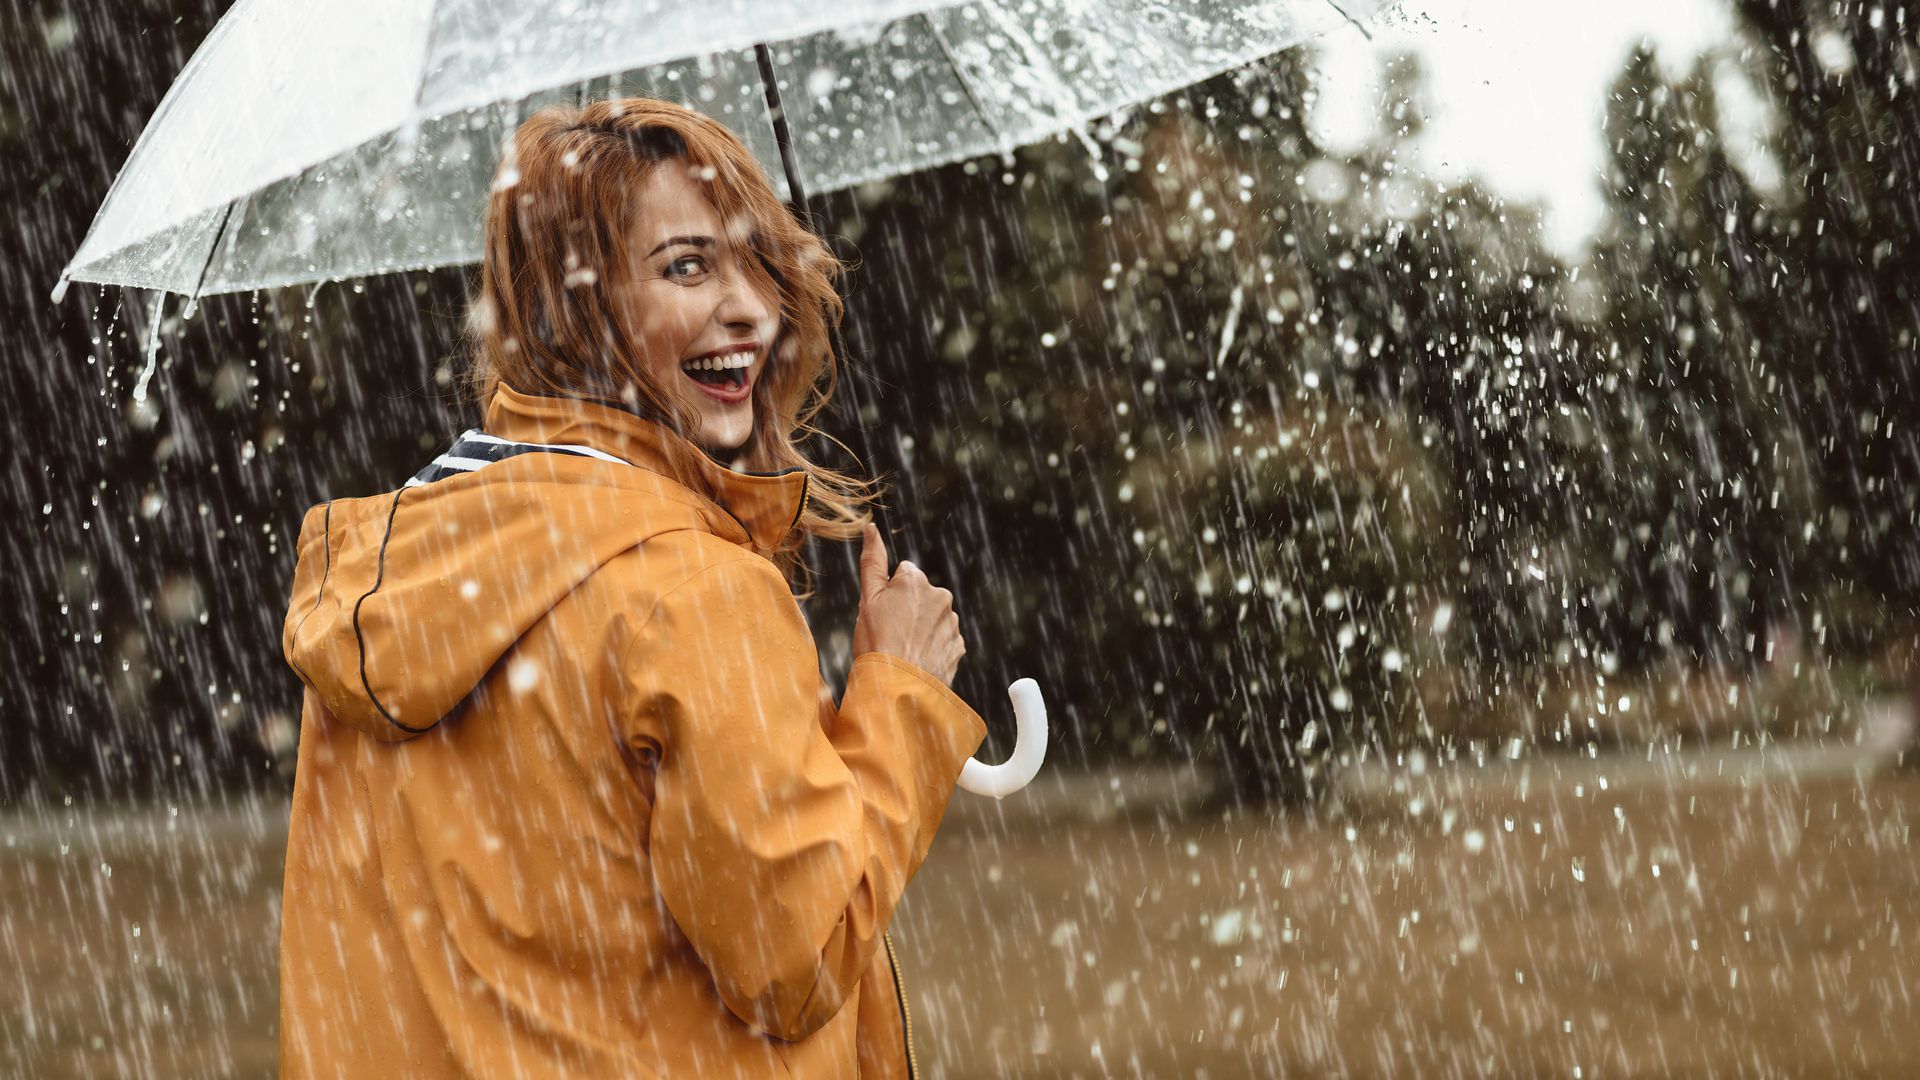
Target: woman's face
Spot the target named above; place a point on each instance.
(690, 298)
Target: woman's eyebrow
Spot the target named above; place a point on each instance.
(696, 241)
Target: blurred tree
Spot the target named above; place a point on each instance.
(1707, 484)
(1844, 290)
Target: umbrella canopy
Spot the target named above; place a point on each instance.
(315, 142)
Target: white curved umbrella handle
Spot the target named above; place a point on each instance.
(1029, 747)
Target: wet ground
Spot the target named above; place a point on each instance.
(1593, 927)
(1541, 917)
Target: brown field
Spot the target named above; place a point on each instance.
(1610, 920)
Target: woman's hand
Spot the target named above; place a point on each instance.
(904, 615)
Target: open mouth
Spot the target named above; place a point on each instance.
(725, 375)
(725, 379)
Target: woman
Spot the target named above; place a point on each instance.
(572, 796)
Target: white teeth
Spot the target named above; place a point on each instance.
(720, 363)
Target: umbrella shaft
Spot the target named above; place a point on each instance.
(781, 133)
(784, 136)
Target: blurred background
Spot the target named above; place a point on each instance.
(1455, 482)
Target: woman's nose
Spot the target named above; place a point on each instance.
(744, 305)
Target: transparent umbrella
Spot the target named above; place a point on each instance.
(307, 143)
(317, 142)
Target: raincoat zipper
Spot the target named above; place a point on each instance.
(906, 1015)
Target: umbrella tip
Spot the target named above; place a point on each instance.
(60, 290)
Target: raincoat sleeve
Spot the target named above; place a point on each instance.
(784, 828)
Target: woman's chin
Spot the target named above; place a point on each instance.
(727, 432)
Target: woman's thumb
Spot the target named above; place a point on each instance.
(873, 562)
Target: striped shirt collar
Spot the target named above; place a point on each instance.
(474, 449)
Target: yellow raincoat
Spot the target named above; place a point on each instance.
(573, 798)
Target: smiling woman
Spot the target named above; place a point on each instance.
(573, 797)
(636, 255)
(691, 307)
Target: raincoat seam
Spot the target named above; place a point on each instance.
(359, 637)
(736, 518)
(669, 489)
(793, 1031)
(673, 490)
(639, 632)
(326, 543)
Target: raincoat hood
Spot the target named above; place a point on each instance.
(403, 602)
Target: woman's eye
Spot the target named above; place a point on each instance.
(699, 261)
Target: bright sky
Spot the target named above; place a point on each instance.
(1517, 91)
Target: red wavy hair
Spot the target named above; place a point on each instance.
(562, 201)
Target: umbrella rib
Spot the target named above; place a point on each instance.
(959, 73)
(1351, 19)
(218, 235)
(426, 54)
